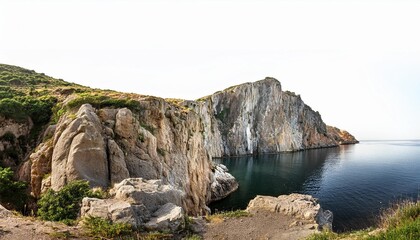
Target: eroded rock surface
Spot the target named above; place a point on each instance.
(140, 202)
(223, 183)
(175, 140)
(80, 150)
(300, 206)
(169, 217)
(259, 117)
(341, 136)
(41, 166)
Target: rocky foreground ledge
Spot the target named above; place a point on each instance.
(304, 208)
(294, 216)
(143, 203)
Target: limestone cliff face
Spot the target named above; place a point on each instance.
(341, 136)
(174, 140)
(106, 146)
(260, 118)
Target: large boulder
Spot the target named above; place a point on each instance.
(141, 203)
(111, 209)
(223, 183)
(300, 206)
(168, 218)
(151, 193)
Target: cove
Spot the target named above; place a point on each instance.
(356, 182)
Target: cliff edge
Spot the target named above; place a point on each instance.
(53, 132)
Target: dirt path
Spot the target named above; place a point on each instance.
(23, 228)
(263, 225)
(259, 226)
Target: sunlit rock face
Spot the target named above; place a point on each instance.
(174, 140)
(259, 117)
(299, 206)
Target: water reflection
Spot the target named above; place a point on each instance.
(354, 181)
(273, 174)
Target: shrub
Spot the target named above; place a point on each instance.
(99, 227)
(64, 204)
(11, 192)
(39, 109)
(19, 108)
(10, 108)
(101, 101)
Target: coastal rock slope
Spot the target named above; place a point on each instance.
(259, 117)
(105, 137)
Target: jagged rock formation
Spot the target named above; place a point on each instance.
(142, 203)
(79, 150)
(341, 136)
(300, 206)
(259, 117)
(89, 146)
(112, 138)
(287, 217)
(223, 183)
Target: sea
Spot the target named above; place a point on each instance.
(356, 182)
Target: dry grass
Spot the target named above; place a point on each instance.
(399, 222)
(400, 213)
(220, 217)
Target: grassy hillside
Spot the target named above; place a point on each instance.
(27, 96)
(399, 222)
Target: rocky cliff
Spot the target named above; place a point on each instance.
(106, 137)
(261, 118)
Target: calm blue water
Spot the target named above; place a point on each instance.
(356, 182)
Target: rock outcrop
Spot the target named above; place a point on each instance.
(174, 140)
(40, 166)
(140, 202)
(259, 117)
(341, 136)
(300, 206)
(223, 183)
(79, 150)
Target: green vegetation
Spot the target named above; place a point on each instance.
(399, 222)
(20, 77)
(155, 236)
(234, 214)
(98, 100)
(101, 228)
(12, 192)
(64, 205)
(193, 237)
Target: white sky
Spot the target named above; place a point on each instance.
(356, 62)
